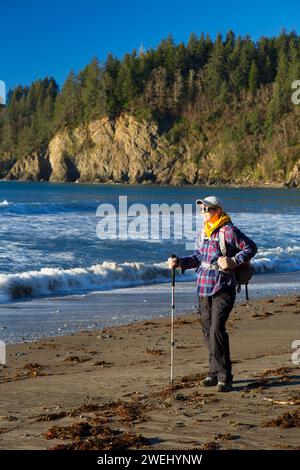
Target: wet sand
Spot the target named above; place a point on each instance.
(109, 389)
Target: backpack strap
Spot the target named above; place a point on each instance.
(222, 240)
(200, 239)
(222, 243)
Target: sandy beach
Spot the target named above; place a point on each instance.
(109, 389)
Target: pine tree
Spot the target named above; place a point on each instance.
(181, 63)
(229, 43)
(196, 54)
(192, 51)
(280, 101)
(128, 82)
(247, 56)
(164, 56)
(68, 108)
(267, 60)
(110, 77)
(253, 77)
(93, 96)
(215, 72)
(294, 60)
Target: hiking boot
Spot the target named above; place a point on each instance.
(210, 381)
(224, 387)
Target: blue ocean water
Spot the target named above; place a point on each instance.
(49, 245)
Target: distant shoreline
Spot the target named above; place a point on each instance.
(150, 183)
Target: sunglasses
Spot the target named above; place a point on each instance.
(208, 209)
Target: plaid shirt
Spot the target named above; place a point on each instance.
(208, 250)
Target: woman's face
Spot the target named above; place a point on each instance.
(209, 212)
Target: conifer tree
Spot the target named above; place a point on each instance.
(215, 72)
(253, 77)
(93, 96)
(68, 107)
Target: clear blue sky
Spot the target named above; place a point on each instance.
(49, 38)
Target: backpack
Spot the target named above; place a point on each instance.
(244, 272)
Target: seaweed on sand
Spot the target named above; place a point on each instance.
(88, 437)
(188, 381)
(287, 420)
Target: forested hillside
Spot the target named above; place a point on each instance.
(227, 101)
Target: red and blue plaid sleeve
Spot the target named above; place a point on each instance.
(243, 248)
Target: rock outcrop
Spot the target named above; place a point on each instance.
(34, 167)
(293, 180)
(6, 163)
(125, 151)
(129, 151)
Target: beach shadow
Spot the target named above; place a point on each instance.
(155, 440)
(265, 383)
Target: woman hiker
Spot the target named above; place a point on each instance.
(216, 284)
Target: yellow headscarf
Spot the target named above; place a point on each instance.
(215, 222)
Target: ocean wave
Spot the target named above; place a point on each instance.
(104, 276)
(45, 208)
(277, 260)
(110, 275)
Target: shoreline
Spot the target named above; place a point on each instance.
(65, 314)
(118, 378)
(254, 185)
(40, 317)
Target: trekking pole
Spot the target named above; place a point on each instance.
(246, 288)
(172, 321)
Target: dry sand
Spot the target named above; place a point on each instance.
(110, 388)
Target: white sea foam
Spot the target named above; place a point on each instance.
(104, 276)
(111, 275)
(277, 260)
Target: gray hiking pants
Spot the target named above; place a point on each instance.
(214, 311)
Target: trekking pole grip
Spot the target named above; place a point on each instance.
(173, 271)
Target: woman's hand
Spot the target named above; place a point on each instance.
(173, 262)
(225, 262)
